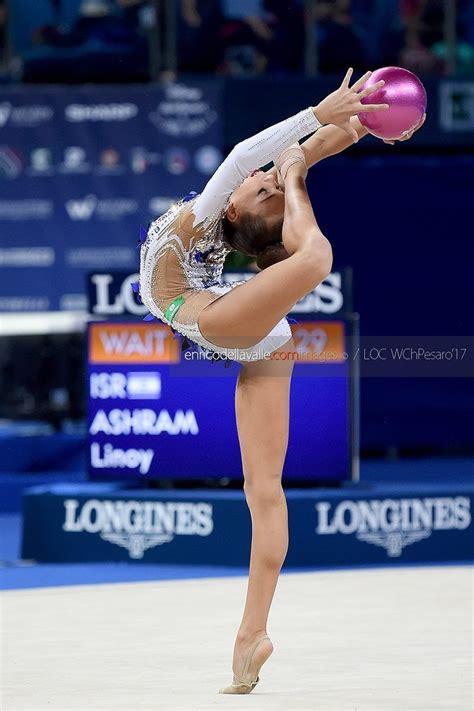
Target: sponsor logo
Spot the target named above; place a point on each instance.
(113, 209)
(143, 422)
(78, 113)
(141, 159)
(82, 209)
(124, 300)
(26, 209)
(137, 343)
(327, 298)
(142, 385)
(109, 163)
(116, 208)
(456, 106)
(10, 163)
(73, 302)
(393, 523)
(159, 205)
(92, 257)
(24, 303)
(207, 159)
(183, 112)
(138, 525)
(27, 257)
(41, 162)
(176, 160)
(74, 162)
(24, 116)
(5, 112)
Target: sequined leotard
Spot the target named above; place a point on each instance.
(181, 259)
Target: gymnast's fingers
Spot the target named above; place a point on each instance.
(360, 82)
(347, 78)
(372, 107)
(370, 89)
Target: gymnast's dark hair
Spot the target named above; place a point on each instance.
(257, 237)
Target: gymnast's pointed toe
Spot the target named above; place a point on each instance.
(257, 655)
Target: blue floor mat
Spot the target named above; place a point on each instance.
(43, 576)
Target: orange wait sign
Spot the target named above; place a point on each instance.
(132, 343)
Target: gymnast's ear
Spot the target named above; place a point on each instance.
(232, 213)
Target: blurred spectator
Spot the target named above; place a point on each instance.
(243, 37)
(425, 46)
(3, 33)
(247, 36)
(379, 27)
(464, 56)
(263, 35)
(467, 21)
(425, 18)
(98, 20)
(423, 26)
(198, 46)
(287, 50)
(464, 48)
(105, 32)
(340, 40)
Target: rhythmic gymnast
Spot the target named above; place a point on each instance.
(267, 215)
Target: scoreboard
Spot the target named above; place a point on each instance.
(156, 412)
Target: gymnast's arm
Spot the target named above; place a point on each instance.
(337, 108)
(330, 140)
(301, 232)
(249, 155)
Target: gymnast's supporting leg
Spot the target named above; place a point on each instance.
(262, 410)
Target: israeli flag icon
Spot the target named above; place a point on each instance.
(144, 385)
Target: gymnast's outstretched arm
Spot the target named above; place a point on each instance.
(330, 140)
(250, 154)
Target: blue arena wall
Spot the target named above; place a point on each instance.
(354, 525)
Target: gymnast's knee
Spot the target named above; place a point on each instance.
(263, 489)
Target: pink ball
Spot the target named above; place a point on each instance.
(405, 94)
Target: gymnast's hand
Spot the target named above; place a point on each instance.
(338, 107)
(406, 135)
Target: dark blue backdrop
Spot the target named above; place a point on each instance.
(405, 225)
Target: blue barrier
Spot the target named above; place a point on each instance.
(43, 453)
(353, 525)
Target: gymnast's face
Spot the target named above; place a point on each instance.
(261, 194)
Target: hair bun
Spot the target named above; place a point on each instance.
(272, 254)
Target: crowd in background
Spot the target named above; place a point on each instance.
(3, 33)
(252, 37)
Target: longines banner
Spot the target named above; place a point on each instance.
(349, 526)
(82, 168)
(110, 294)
